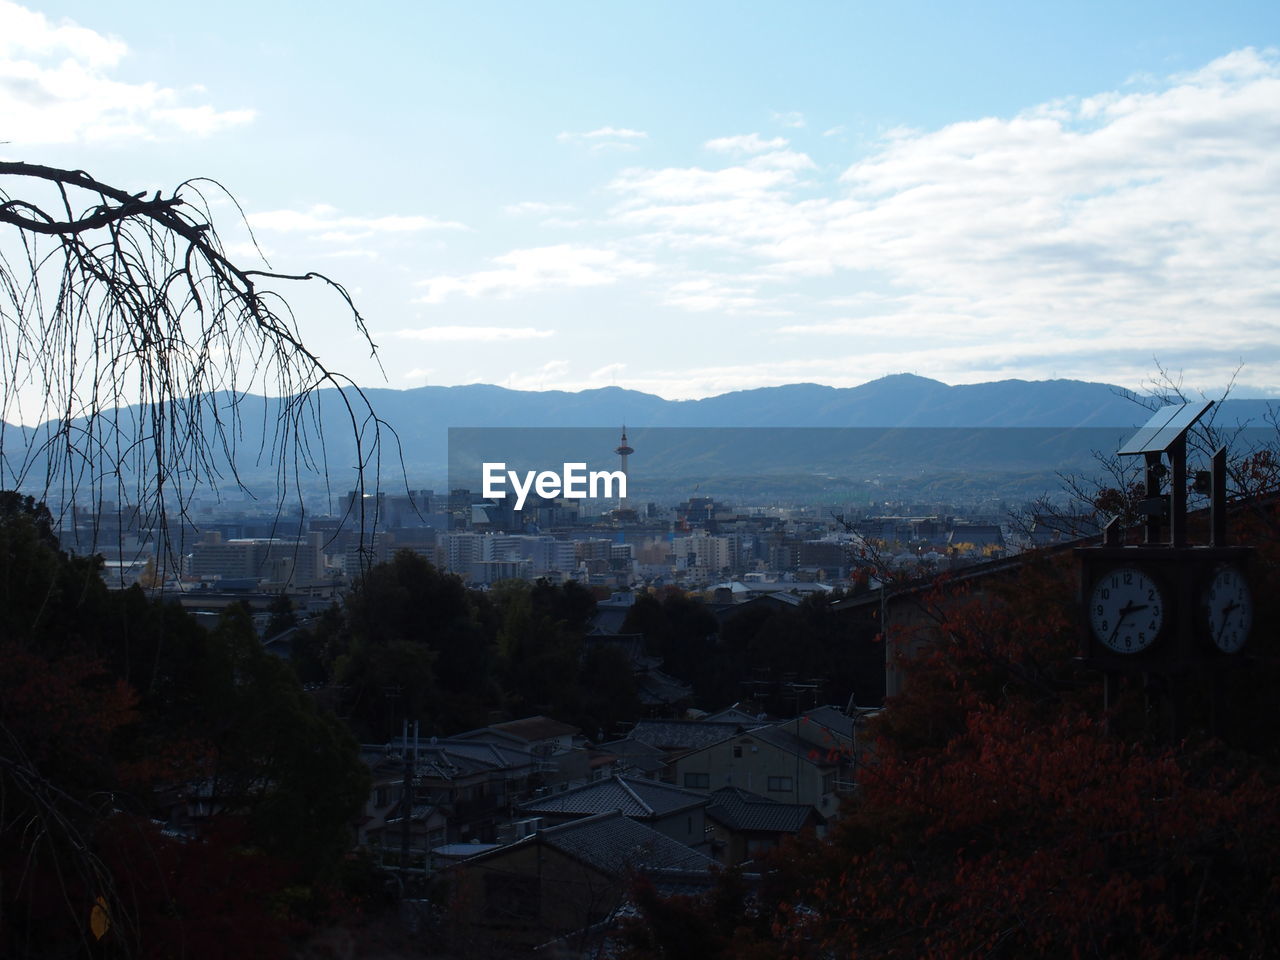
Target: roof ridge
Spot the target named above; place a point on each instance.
(635, 796)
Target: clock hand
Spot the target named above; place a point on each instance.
(1124, 612)
(1226, 612)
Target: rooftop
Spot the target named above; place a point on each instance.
(636, 797)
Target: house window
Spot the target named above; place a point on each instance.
(829, 783)
(697, 781)
(737, 752)
(780, 784)
(380, 797)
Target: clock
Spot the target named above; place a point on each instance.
(1228, 608)
(1126, 610)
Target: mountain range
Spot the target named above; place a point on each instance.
(421, 418)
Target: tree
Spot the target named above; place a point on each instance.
(129, 343)
(130, 340)
(111, 704)
(1005, 814)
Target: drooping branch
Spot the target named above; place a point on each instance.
(129, 344)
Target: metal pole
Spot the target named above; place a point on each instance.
(1178, 507)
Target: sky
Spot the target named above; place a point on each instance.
(698, 197)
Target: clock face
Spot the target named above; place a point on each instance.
(1126, 610)
(1228, 607)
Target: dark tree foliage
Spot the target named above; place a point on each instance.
(1004, 815)
(413, 645)
(111, 706)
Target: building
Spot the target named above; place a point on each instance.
(566, 878)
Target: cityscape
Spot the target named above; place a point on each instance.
(604, 482)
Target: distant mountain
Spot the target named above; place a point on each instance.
(420, 418)
(901, 400)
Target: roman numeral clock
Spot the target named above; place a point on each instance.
(1166, 608)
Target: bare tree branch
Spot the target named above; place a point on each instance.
(129, 341)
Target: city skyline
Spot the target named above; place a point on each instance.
(687, 202)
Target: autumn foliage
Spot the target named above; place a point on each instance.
(1005, 814)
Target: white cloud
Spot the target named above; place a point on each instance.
(457, 334)
(536, 208)
(536, 269)
(549, 376)
(745, 143)
(56, 87)
(1131, 224)
(605, 138)
(791, 118)
(610, 371)
(719, 295)
(326, 223)
(605, 133)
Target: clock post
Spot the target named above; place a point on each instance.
(1166, 611)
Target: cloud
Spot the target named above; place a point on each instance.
(1132, 224)
(610, 371)
(536, 269)
(791, 118)
(605, 138)
(745, 143)
(549, 376)
(719, 295)
(326, 224)
(56, 87)
(536, 208)
(457, 334)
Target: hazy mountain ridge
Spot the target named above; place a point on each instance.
(420, 417)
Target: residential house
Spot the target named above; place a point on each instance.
(557, 747)
(671, 810)
(564, 879)
(745, 825)
(770, 760)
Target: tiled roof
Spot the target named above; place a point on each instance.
(615, 844)
(451, 759)
(833, 718)
(635, 797)
(655, 687)
(785, 740)
(683, 734)
(608, 620)
(532, 729)
(741, 810)
(634, 754)
(733, 715)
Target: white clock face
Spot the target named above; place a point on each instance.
(1126, 610)
(1229, 609)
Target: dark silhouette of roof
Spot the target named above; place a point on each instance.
(744, 812)
(684, 734)
(636, 797)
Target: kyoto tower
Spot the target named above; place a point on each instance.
(623, 451)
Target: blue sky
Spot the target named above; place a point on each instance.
(700, 197)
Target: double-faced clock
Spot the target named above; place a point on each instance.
(1126, 609)
(1228, 608)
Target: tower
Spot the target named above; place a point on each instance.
(623, 451)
